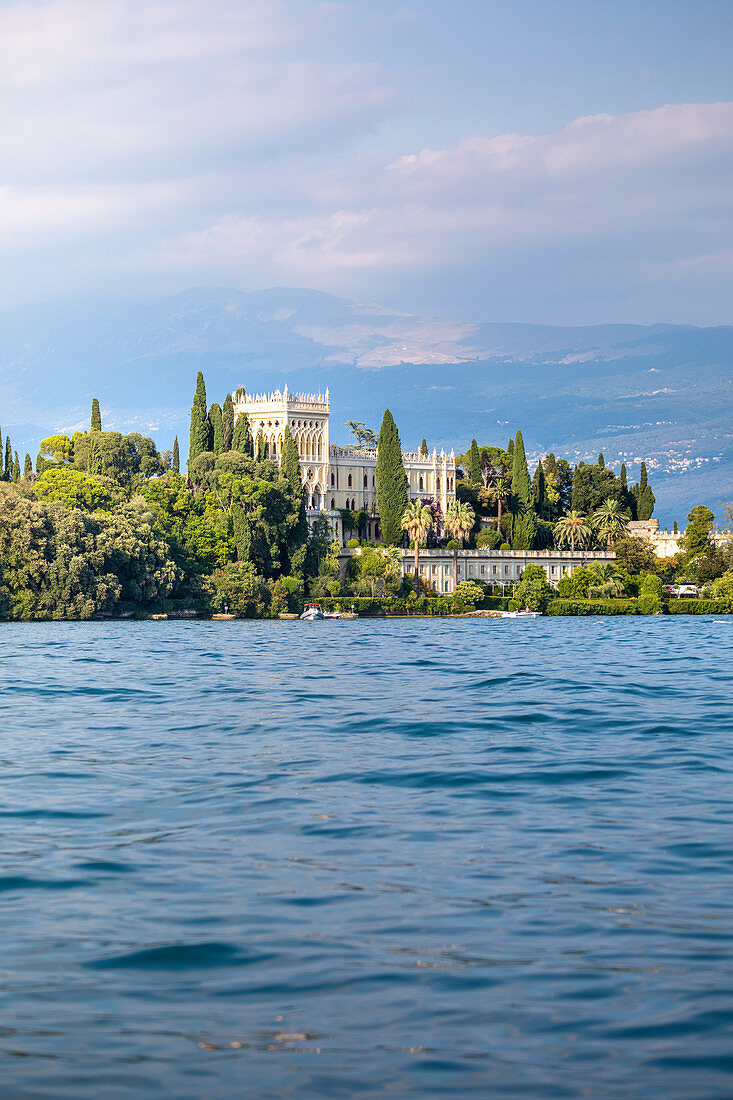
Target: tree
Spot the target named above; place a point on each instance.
(96, 421)
(8, 459)
(611, 521)
(424, 448)
(27, 466)
(57, 449)
(417, 520)
(646, 498)
(539, 489)
(697, 537)
(176, 460)
(459, 520)
(558, 485)
(199, 440)
(576, 586)
(217, 429)
(533, 591)
(500, 492)
(16, 467)
(571, 529)
(227, 421)
(475, 467)
(241, 441)
(297, 522)
(635, 555)
(391, 481)
(73, 489)
(357, 428)
(524, 518)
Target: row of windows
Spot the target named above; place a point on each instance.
(349, 481)
(494, 570)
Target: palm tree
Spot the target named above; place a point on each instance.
(611, 521)
(459, 520)
(500, 492)
(572, 528)
(417, 520)
(609, 577)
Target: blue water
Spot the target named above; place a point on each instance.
(367, 859)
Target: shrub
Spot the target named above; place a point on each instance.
(505, 546)
(649, 604)
(488, 539)
(592, 607)
(353, 543)
(700, 607)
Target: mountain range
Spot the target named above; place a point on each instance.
(662, 393)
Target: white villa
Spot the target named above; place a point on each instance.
(338, 478)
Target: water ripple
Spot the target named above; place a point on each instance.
(397, 858)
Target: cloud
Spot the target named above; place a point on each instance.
(651, 177)
(159, 143)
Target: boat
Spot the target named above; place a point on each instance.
(312, 613)
(520, 614)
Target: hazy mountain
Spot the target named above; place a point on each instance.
(661, 392)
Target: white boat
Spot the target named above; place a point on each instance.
(520, 614)
(312, 613)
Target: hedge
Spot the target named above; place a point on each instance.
(592, 607)
(723, 606)
(645, 605)
(424, 606)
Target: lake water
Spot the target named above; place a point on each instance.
(367, 859)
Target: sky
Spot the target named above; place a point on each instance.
(554, 161)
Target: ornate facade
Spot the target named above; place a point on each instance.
(338, 478)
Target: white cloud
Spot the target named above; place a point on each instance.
(159, 143)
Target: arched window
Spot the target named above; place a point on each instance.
(437, 484)
(366, 482)
(349, 481)
(333, 480)
(373, 481)
(422, 484)
(333, 505)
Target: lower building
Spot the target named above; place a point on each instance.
(502, 567)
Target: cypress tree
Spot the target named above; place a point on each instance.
(94, 465)
(475, 467)
(424, 448)
(217, 429)
(674, 527)
(510, 447)
(8, 459)
(16, 467)
(199, 437)
(176, 459)
(262, 448)
(241, 532)
(240, 439)
(646, 499)
(28, 466)
(624, 485)
(227, 421)
(524, 518)
(601, 461)
(539, 489)
(298, 533)
(96, 423)
(391, 481)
